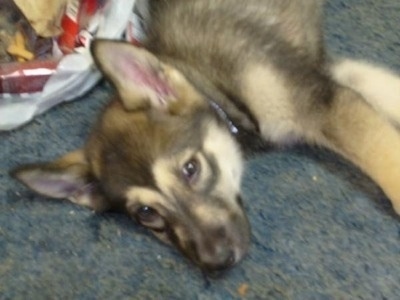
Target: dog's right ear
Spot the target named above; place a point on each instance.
(67, 177)
(141, 79)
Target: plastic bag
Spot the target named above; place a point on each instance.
(74, 75)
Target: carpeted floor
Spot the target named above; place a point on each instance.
(321, 229)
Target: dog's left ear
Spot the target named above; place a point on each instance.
(65, 178)
(141, 79)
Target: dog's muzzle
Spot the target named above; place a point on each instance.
(214, 247)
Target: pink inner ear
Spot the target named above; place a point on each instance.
(55, 186)
(144, 76)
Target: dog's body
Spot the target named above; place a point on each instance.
(216, 74)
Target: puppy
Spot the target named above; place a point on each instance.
(215, 78)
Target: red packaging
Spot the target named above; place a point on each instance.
(70, 26)
(27, 77)
(76, 17)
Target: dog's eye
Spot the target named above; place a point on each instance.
(147, 215)
(191, 170)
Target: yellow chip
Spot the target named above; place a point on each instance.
(20, 52)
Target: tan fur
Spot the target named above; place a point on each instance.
(229, 159)
(350, 127)
(362, 135)
(271, 102)
(378, 86)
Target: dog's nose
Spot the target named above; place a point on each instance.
(224, 262)
(221, 261)
(218, 241)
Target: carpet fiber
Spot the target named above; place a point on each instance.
(320, 228)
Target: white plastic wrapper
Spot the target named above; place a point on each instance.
(75, 74)
(136, 28)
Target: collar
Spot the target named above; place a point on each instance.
(224, 116)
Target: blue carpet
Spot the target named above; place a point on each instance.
(321, 229)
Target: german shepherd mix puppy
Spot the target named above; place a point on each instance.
(213, 75)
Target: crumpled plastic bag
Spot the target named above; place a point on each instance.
(74, 76)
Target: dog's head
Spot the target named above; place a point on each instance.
(159, 152)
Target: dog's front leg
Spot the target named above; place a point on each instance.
(355, 130)
(379, 87)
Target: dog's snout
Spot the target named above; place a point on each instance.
(221, 260)
(224, 261)
(213, 238)
(216, 251)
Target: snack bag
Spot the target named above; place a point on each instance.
(32, 87)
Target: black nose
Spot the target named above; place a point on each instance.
(222, 263)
